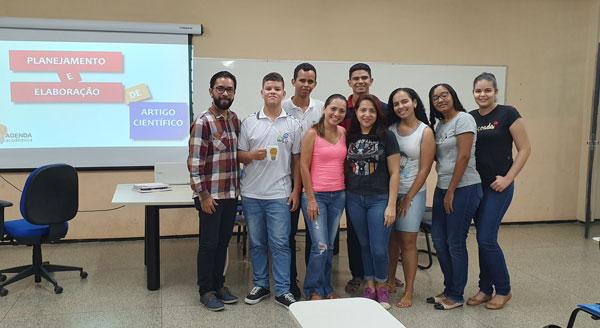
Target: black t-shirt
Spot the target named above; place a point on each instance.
(366, 164)
(493, 150)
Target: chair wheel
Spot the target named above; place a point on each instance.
(2, 277)
(3, 292)
(83, 274)
(58, 290)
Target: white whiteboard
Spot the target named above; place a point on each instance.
(332, 77)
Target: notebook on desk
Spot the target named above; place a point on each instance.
(173, 173)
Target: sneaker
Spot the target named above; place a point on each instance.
(211, 301)
(256, 295)
(383, 297)
(226, 296)
(286, 299)
(353, 285)
(369, 293)
(295, 291)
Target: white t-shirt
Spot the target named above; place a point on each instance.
(446, 151)
(307, 118)
(269, 179)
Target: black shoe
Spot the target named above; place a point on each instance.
(256, 295)
(286, 299)
(226, 296)
(211, 302)
(295, 291)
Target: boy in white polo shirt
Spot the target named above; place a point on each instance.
(269, 147)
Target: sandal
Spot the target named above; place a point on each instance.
(495, 304)
(353, 285)
(390, 286)
(398, 282)
(479, 298)
(436, 299)
(446, 305)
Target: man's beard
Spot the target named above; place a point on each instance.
(222, 103)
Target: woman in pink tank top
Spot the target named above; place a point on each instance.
(322, 168)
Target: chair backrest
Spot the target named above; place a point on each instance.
(50, 195)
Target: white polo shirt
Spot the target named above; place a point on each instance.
(269, 179)
(307, 118)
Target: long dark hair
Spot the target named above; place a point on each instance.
(419, 110)
(434, 113)
(320, 126)
(378, 128)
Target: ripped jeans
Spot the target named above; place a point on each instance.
(322, 232)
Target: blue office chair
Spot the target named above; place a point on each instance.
(592, 309)
(50, 199)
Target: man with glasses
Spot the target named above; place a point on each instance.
(214, 169)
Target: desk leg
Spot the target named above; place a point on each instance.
(146, 235)
(152, 247)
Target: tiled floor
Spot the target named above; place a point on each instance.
(552, 269)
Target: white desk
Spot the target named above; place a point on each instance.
(353, 312)
(180, 196)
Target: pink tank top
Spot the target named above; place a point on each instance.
(327, 165)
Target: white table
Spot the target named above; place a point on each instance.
(180, 196)
(353, 312)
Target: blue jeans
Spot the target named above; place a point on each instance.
(366, 213)
(269, 227)
(492, 265)
(449, 235)
(322, 231)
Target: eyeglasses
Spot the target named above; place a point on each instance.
(221, 90)
(443, 95)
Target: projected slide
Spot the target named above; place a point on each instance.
(93, 94)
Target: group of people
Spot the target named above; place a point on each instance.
(368, 158)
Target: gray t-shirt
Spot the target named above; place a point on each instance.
(446, 151)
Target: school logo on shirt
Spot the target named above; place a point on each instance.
(363, 156)
(283, 138)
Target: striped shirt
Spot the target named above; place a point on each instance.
(212, 159)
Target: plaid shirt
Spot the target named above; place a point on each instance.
(212, 159)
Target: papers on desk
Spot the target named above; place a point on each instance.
(151, 187)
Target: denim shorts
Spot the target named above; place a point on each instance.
(411, 222)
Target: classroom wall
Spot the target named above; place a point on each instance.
(549, 47)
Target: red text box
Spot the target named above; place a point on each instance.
(51, 92)
(65, 61)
